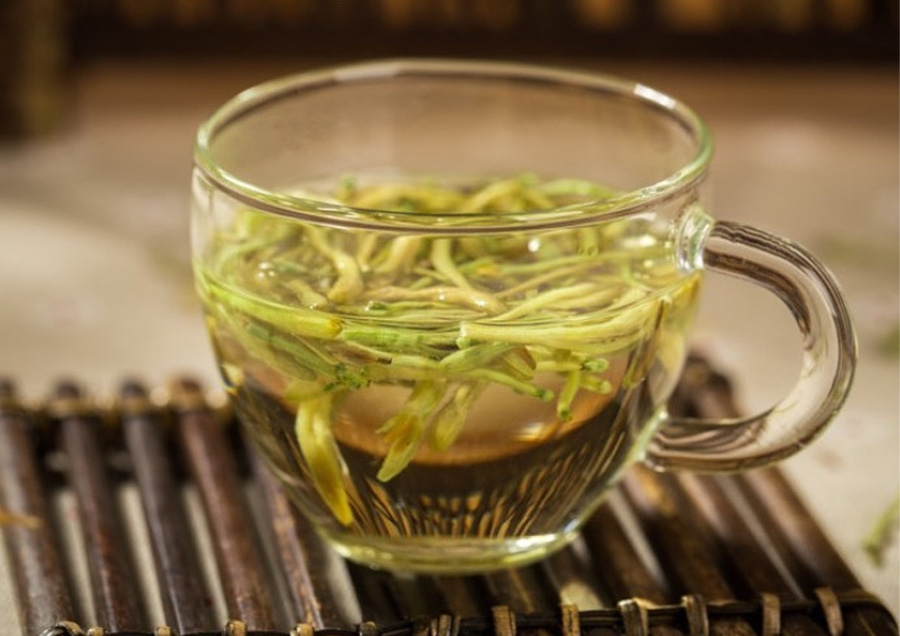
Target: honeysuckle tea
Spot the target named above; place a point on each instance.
(408, 384)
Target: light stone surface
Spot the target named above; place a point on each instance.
(95, 276)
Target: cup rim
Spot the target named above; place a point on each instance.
(324, 212)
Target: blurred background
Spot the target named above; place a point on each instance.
(99, 101)
(45, 43)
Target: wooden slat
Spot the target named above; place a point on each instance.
(570, 573)
(792, 534)
(116, 594)
(691, 561)
(213, 467)
(577, 588)
(42, 596)
(707, 393)
(619, 564)
(795, 534)
(460, 595)
(318, 584)
(751, 565)
(688, 543)
(524, 590)
(379, 596)
(806, 549)
(187, 605)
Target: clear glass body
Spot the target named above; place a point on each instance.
(450, 300)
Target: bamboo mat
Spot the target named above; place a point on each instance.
(666, 555)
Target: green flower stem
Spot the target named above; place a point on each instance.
(472, 298)
(595, 365)
(309, 297)
(557, 366)
(400, 253)
(450, 420)
(364, 252)
(513, 307)
(534, 199)
(479, 265)
(491, 193)
(414, 362)
(405, 430)
(595, 302)
(301, 322)
(883, 533)
(313, 433)
(442, 260)
(597, 385)
(588, 241)
(257, 341)
(615, 334)
(541, 301)
(305, 355)
(519, 363)
(426, 279)
(399, 339)
(299, 391)
(349, 284)
(567, 394)
(368, 354)
(236, 252)
(425, 198)
(578, 270)
(498, 377)
(473, 357)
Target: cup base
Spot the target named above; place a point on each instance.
(443, 556)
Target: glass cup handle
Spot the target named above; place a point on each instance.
(829, 356)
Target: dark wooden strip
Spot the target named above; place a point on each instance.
(705, 393)
(213, 467)
(805, 548)
(792, 534)
(523, 589)
(186, 602)
(619, 565)
(380, 598)
(520, 591)
(115, 592)
(577, 587)
(319, 586)
(689, 554)
(572, 576)
(751, 564)
(709, 394)
(42, 597)
(459, 595)
(800, 540)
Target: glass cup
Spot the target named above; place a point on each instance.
(451, 299)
